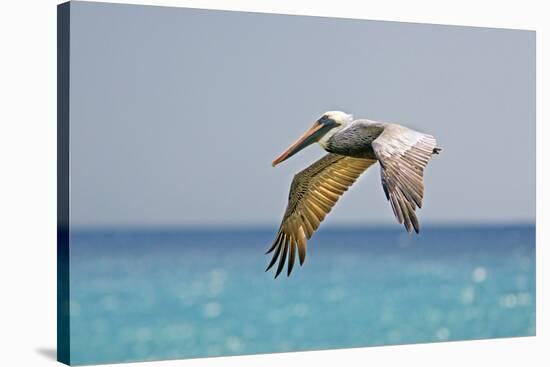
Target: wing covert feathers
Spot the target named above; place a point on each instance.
(313, 193)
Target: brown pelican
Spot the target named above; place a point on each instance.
(353, 146)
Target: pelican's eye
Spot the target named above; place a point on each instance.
(327, 121)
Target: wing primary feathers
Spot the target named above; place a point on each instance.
(307, 228)
(275, 243)
(276, 254)
(302, 246)
(291, 257)
(283, 257)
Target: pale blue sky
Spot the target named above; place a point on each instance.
(176, 114)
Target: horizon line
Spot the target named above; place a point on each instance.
(265, 226)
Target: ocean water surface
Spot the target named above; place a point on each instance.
(166, 294)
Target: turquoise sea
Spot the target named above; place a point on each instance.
(167, 294)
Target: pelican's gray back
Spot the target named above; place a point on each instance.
(356, 139)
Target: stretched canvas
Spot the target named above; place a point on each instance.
(403, 213)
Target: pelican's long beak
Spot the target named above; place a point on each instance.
(312, 135)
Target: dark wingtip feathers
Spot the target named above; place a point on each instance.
(301, 257)
(275, 255)
(282, 260)
(284, 248)
(279, 235)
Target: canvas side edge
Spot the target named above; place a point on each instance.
(63, 229)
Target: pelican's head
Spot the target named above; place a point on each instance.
(327, 125)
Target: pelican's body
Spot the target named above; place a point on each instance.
(355, 140)
(353, 146)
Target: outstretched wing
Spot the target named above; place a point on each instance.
(403, 154)
(313, 193)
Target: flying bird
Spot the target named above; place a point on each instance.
(352, 146)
